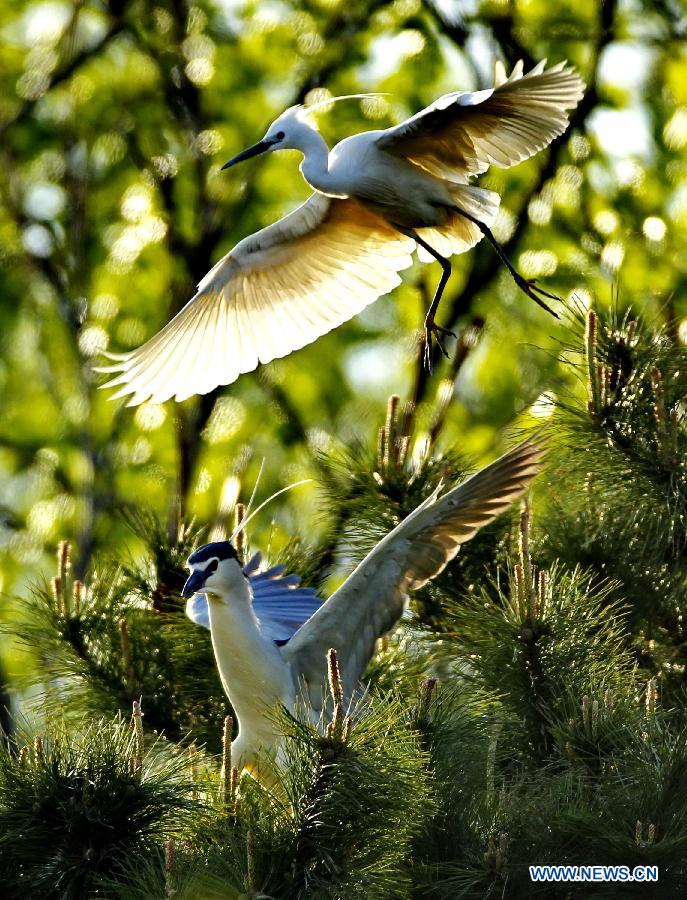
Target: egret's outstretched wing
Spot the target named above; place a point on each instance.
(464, 133)
(372, 598)
(280, 604)
(276, 291)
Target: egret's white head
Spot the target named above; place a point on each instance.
(292, 129)
(215, 570)
(285, 133)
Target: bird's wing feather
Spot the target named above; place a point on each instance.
(372, 599)
(279, 603)
(276, 291)
(464, 133)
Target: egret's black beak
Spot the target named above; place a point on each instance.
(255, 150)
(194, 584)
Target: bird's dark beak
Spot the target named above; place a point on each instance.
(255, 150)
(194, 584)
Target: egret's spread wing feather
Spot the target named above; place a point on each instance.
(276, 291)
(464, 133)
(372, 598)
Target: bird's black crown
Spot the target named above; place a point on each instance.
(215, 549)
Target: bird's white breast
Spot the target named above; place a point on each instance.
(251, 668)
(394, 188)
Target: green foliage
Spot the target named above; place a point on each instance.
(617, 481)
(518, 715)
(530, 708)
(538, 649)
(362, 801)
(123, 636)
(75, 808)
(340, 820)
(115, 118)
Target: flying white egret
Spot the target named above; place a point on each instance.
(270, 641)
(378, 196)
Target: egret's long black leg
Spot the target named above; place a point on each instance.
(527, 285)
(432, 330)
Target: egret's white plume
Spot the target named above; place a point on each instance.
(271, 638)
(326, 101)
(379, 196)
(250, 515)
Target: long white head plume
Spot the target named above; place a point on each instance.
(327, 100)
(264, 503)
(249, 507)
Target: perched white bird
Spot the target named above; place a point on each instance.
(270, 638)
(378, 196)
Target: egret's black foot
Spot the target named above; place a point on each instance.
(434, 332)
(529, 286)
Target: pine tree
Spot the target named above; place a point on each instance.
(529, 709)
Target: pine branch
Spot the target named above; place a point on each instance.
(73, 810)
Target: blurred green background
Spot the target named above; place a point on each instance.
(114, 121)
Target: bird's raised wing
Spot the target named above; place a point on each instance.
(276, 291)
(372, 599)
(279, 602)
(464, 133)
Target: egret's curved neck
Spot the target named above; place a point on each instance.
(315, 151)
